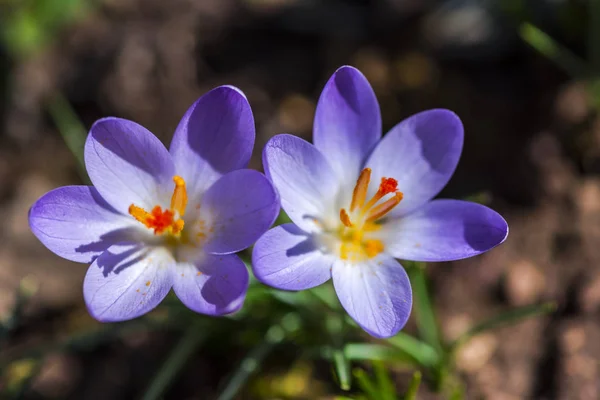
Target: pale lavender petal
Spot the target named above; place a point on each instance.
(347, 122)
(304, 179)
(290, 259)
(127, 281)
(237, 210)
(215, 285)
(376, 294)
(421, 153)
(75, 223)
(444, 230)
(214, 137)
(128, 165)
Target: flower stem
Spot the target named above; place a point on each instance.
(509, 317)
(179, 356)
(252, 361)
(70, 128)
(424, 312)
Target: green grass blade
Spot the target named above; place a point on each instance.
(336, 327)
(70, 128)
(179, 356)
(422, 353)
(413, 388)
(365, 384)
(377, 352)
(252, 362)
(507, 318)
(423, 309)
(549, 48)
(387, 389)
(342, 368)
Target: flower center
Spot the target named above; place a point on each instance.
(363, 216)
(168, 221)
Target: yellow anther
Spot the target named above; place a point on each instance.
(382, 209)
(179, 199)
(345, 218)
(359, 194)
(141, 215)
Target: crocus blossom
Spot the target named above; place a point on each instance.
(157, 219)
(359, 201)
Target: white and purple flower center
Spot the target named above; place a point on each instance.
(360, 220)
(169, 222)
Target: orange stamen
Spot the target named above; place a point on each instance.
(345, 218)
(140, 214)
(387, 186)
(385, 207)
(355, 245)
(359, 194)
(164, 220)
(179, 198)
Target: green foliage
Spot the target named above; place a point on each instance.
(26, 26)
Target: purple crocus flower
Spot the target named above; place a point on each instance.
(359, 201)
(158, 219)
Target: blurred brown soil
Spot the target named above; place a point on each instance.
(532, 144)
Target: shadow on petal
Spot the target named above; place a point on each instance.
(483, 237)
(225, 297)
(306, 246)
(225, 285)
(117, 262)
(122, 235)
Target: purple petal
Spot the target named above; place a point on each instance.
(288, 258)
(421, 153)
(444, 230)
(347, 122)
(239, 208)
(75, 223)
(216, 285)
(127, 281)
(128, 165)
(214, 137)
(376, 294)
(304, 179)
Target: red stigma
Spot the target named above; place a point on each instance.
(388, 185)
(160, 220)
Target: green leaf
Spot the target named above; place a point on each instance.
(423, 354)
(252, 362)
(482, 197)
(377, 352)
(507, 318)
(179, 356)
(365, 384)
(336, 327)
(282, 218)
(342, 369)
(423, 309)
(413, 388)
(548, 47)
(387, 389)
(70, 128)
